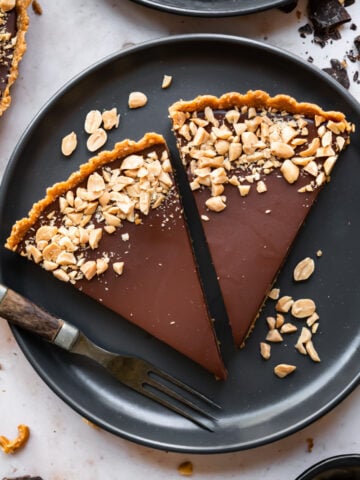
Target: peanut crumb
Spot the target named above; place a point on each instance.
(36, 7)
(283, 370)
(310, 444)
(186, 469)
(91, 424)
(11, 446)
(69, 144)
(274, 293)
(167, 79)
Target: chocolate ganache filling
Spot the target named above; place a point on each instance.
(159, 289)
(250, 234)
(8, 31)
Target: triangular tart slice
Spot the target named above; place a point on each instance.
(115, 230)
(256, 165)
(14, 22)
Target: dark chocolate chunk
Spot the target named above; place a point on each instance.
(357, 43)
(306, 29)
(353, 26)
(356, 77)
(338, 72)
(352, 56)
(347, 3)
(327, 14)
(26, 477)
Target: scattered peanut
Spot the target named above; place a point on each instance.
(96, 140)
(137, 100)
(274, 294)
(305, 336)
(167, 79)
(274, 336)
(280, 319)
(303, 308)
(93, 121)
(110, 118)
(69, 144)
(284, 304)
(288, 328)
(265, 350)
(304, 269)
(311, 351)
(283, 370)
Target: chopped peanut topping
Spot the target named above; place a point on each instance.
(246, 144)
(110, 197)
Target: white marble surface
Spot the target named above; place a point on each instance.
(67, 38)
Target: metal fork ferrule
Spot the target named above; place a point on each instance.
(66, 336)
(3, 291)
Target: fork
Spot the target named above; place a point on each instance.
(134, 372)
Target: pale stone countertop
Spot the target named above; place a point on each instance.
(67, 38)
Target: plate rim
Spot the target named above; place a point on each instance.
(17, 333)
(230, 12)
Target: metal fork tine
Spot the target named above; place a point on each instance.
(177, 410)
(176, 396)
(184, 386)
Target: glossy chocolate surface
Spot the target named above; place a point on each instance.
(249, 242)
(159, 290)
(7, 28)
(250, 239)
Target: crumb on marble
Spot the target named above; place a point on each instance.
(186, 469)
(36, 7)
(310, 444)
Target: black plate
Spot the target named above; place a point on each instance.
(257, 406)
(341, 467)
(214, 8)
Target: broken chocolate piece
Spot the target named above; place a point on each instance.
(26, 477)
(338, 72)
(305, 30)
(357, 43)
(326, 16)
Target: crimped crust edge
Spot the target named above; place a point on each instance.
(121, 149)
(253, 98)
(20, 49)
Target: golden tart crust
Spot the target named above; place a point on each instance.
(121, 149)
(252, 98)
(22, 24)
(256, 164)
(115, 230)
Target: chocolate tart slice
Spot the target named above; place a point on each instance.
(115, 230)
(256, 165)
(14, 23)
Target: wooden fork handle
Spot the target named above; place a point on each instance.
(22, 312)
